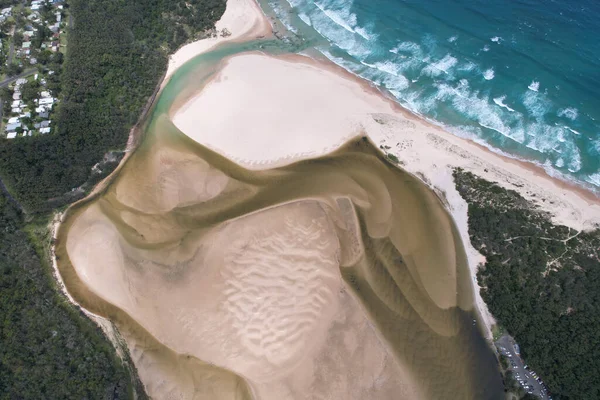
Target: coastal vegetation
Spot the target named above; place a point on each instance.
(48, 348)
(541, 282)
(116, 56)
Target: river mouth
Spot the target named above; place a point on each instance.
(341, 276)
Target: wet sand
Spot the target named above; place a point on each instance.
(264, 112)
(337, 277)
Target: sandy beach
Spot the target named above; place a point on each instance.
(243, 20)
(264, 112)
(259, 297)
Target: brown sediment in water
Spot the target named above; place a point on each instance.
(336, 277)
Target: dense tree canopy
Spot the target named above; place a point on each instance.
(116, 55)
(542, 283)
(47, 348)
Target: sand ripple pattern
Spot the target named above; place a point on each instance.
(280, 285)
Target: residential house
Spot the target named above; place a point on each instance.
(45, 102)
(13, 127)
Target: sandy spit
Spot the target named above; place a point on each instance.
(243, 20)
(264, 112)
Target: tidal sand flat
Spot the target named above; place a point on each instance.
(264, 111)
(270, 251)
(336, 277)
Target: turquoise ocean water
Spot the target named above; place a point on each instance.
(519, 76)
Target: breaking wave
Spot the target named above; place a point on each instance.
(434, 76)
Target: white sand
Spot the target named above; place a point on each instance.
(259, 296)
(263, 112)
(243, 19)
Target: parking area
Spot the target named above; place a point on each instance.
(527, 378)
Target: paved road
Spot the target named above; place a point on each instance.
(23, 74)
(7, 81)
(506, 347)
(11, 50)
(11, 47)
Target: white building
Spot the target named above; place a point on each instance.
(45, 102)
(13, 127)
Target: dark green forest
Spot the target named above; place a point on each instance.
(116, 56)
(48, 348)
(541, 282)
(117, 53)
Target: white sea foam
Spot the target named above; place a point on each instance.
(574, 164)
(594, 179)
(488, 74)
(365, 33)
(387, 67)
(560, 163)
(569, 112)
(386, 74)
(500, 101)
(341, 38)
(486, 48)
(344, 19)
(396, 84)
(305, 18)
(467, 66)
(407, 47)
(338, 60)
(596, 145)
(534, 85)
(536, 104)
(572, 130)
(283, 16)
(548, 139)
(496, 39)
(441, 66)
(452, 39)
(476, 108)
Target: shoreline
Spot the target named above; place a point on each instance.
(260, 26)
(579, 196)
(436, 153)
(538, 169)
(242, 21)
